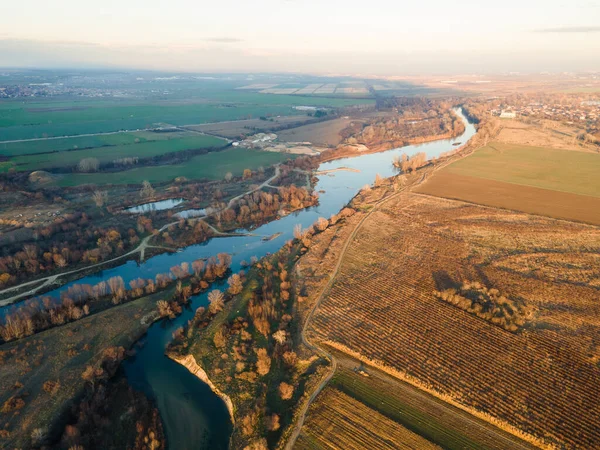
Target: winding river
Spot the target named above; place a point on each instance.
(193, 416)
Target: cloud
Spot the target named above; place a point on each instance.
(224, 40)
(569, 30)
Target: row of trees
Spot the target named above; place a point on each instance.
(253, 353)
(410, 164)
(260, 206)
(81, 299)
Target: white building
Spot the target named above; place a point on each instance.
(508, 115)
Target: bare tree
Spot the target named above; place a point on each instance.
(263, 363)
(147, 190)
(298, 231)
(322, 224)
(100, 198)
(228, 176)
(88, 165)
(216, 300)
(286, 390)
(235, 284)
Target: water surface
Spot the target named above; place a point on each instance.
(193, 416)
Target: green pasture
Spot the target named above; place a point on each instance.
(146, 149)
(547, 168)
(211, 166)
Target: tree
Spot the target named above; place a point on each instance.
(263, 363)
(235, 284)
(273, 422)
(322, 224)
(247, 174)
(88, 165)
(286, 390)
(100, 198)
(164, 309)
(217, 302)
(280, 336)
(298, 231)
(290, 359)
(228, 176)
(219, 338)
(147, 190)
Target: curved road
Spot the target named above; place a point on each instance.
(141, 249)
(332, 277)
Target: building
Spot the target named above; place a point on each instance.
(508, 115)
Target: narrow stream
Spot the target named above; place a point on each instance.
(194, 417)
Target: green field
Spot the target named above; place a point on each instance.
(395, 409)
(211, 166)
(72, 143)
(21, 124)
(546, 168)
(108, 154)
(20, 120)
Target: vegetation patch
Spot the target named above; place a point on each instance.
(488, 304)
(210, 166)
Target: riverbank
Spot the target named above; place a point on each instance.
(61, 355)
(204, 420)
(189, 362)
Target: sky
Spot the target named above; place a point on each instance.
(378, 37)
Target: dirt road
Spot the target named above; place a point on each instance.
(141, 249)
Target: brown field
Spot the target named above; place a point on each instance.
(434, 420)
(322, 133)
(545, 202)
(548, 133)
(337, 421)
(543, 380)
(234, 129)
(505, 84)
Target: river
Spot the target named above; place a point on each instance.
(193, 416)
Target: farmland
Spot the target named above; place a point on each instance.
(546, 168)
(48, 119)
(534, 382)
(323, 133)
(557, 183)
(339, 421)
(211, 166)
(22, 123)
(112, 153)
(561, 205)
(72, 143)
(238, 128)
(385, 403)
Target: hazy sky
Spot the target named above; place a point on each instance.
(323, 36)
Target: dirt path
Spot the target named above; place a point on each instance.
(320, 350)
(141, 249)
(106, 133)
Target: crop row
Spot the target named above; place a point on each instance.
(540, 381)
